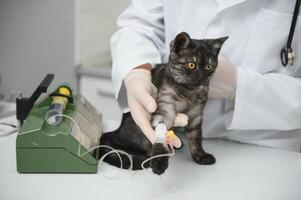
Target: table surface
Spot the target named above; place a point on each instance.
(242, 172)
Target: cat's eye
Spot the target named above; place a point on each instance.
(208, 67)
(191, 65)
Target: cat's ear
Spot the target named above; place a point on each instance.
(216, 44)
(181, 41)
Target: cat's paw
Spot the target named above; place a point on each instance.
(159, 165)
(204, 158)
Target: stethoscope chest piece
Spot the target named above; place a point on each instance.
(287, 56)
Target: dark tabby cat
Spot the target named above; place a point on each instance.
(182, 87)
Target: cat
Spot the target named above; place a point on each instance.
(183, 85)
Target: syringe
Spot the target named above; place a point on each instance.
(56, 109)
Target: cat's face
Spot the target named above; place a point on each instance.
(191, 61)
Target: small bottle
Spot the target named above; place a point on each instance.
(55, 113)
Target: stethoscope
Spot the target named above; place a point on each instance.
(287, 53)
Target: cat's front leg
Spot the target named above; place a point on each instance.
(166, 107)
(194, 135)
(165, 113)
(159, 165)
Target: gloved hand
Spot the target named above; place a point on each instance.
(223, 83)
(141, 95)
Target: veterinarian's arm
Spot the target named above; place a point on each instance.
(270, 101)
(139, 40)
(266, 101)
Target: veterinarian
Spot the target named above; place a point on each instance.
(253, 98)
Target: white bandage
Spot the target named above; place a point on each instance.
(160, 133)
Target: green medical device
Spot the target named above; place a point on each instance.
(61, 148)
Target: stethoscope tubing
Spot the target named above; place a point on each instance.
(293, 24)
(287, 54)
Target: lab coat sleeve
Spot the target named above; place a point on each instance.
(139, 40)
(269, 101)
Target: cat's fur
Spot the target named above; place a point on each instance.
(180, 89)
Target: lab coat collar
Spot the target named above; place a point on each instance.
(225, 4)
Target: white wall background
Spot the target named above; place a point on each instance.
(53, 36)
(97, 24)
(36, 37)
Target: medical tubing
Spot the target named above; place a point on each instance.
(117, 151)
(293, 24)
(158, 156)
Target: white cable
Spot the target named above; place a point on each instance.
(158, 156)
(29, 131)
(117, 151)
(160, 179)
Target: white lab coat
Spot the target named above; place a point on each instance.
(267, 107)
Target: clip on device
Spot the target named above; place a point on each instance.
(57, 145)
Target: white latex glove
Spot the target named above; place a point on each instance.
(223, 83)
(141, 94)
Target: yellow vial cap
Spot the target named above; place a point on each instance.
(64, 91)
